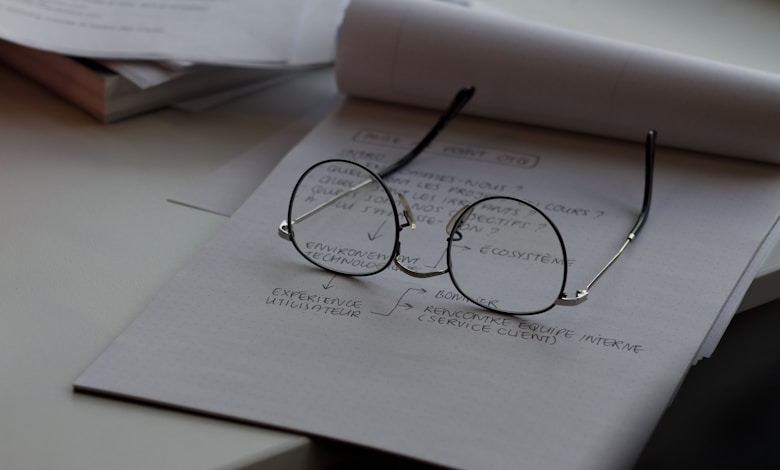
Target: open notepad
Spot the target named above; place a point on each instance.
(249, 330)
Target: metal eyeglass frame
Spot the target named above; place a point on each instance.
(460, 100)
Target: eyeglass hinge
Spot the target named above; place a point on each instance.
(284, 230)
(565, 300)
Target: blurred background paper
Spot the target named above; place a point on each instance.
(120, 59)
(233, 32)
(419, 52)
(225, 189)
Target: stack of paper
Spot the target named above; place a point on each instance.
(148, 54)
(249, 330)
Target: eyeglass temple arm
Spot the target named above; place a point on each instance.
(284, 227)
(582, 294)
(458, 102)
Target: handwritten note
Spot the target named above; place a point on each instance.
(251, 330)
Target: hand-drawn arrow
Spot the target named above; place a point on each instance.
(438, 262)
(405, 305)
(330, 282)
(377, 234)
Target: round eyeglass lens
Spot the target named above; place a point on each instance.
(506, 255)
(343, 219)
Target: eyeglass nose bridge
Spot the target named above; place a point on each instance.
(411, 272)
(452, 231)
(409, 216)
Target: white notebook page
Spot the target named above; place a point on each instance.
(251, 331)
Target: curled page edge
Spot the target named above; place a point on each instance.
(419, 52)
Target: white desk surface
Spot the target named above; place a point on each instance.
(87, 238)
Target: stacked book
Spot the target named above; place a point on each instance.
(119, 59)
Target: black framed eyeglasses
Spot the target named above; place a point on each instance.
(340, 213)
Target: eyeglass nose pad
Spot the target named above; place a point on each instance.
(407, 212)
(463, 214)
